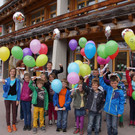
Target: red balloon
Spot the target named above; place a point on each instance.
(114, 55)
(44, 49)
(82, 52)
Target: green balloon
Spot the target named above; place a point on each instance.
(17, 52)
(133, 95)
(41, 60)
(101, 51)
(85, 70)
(111, 47)
(29, 61)
(82, 42)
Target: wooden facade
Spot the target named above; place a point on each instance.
(87, 18)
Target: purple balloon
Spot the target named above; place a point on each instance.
(73, 44)
(27, 51)
(101, 61)
(90, 41)
(107, 60)
(73, 78)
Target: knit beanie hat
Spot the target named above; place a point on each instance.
(120, 75)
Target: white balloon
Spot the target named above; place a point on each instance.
(56, 33)
(18, 17)
(108, 31)
(124, 31)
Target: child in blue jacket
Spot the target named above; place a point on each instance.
(62, 103)
(114, 104)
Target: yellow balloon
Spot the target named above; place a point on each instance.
(127, 36)
(85, 70)
(79, 63)
(132, 43)
(41, 60)
(4, 53)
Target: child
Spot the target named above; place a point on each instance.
(40, 103)
(131, 88)
(121, 86)
(51, 109)
(62, 101)
(80, 98)
(26, 101)
(11, 96)
(114, 103)
(94, 105)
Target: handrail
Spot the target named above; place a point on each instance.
(66, 16)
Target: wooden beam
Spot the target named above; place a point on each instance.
(114, 21)
(130, 17)
(67, 31)
(100, 24)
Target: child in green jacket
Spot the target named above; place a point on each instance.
(40, 103)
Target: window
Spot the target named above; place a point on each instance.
(53, 9)
(37, 16)
(9, 28)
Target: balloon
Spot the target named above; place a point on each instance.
(85, 70)
(133, 95)
(124, 31)
(73, 78)
(44, 49)
(114, 55)
(29, 61)
(41, 60)
(107, 31)
(4, 53)
(90, 50)
(107, 60)
(101, 61)
(73, 67)
(17, 52)
(82, 52)
(101, 51)
(132, 43)
(56, 33)
(35, 46)
(111, 47)
(82, 42)
(127, 36)
(56, 85)
(18, 17)
(73, 44)
(79, 62)
(27, 51)
(90, 42)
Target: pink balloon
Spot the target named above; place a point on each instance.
(101, 61)
(107, 60)
(73, 78)
(90, 41)
(35, 46)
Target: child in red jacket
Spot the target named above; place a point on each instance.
(131, 88)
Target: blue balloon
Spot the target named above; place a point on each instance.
(90, 50)
(56, 85)
(73, 67)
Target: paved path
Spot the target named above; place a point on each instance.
(52, 130)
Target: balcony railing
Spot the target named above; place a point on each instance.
(105, 5)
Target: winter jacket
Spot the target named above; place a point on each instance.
(90, 93)
(68, 100)
(6, 88)
(114, 103)
(129, 81)
(77, 99)
(26, 92)
(35, 94)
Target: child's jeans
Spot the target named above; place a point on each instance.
(52, 111)
(62, 119)
(112, 126)
(37, 110)
(26, 108)
(93, 116)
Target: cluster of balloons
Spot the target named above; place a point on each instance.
(129, 37)
(88, 47)
(107, 51)
(75, 69)
(26, 54)
(4, 53)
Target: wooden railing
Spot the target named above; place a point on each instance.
(105, 5)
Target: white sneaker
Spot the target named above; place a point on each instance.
(55, 121)
(50, 122)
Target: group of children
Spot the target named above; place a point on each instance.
(92, 95)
